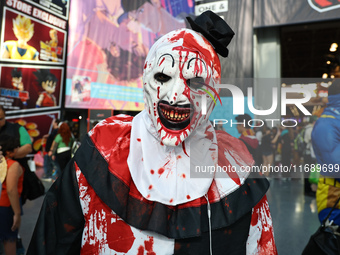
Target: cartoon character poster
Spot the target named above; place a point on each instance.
(108, 43)
(27, 39)
(30, 88)
(37, 125)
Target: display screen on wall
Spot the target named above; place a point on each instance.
(30, 88)
(108, 43)
(37, 125)
(41, 41)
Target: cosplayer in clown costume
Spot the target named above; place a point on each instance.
(130, 187)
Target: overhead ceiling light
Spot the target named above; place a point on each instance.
(332, 76)
(333, 47)
(325, 76)
(328, 62)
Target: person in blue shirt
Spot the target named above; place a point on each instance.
(326, 145)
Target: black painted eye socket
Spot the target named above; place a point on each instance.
(196, 83)
(161, 77)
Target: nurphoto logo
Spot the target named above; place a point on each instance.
(238, 104)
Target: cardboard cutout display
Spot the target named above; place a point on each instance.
(30, 88)
(21, 41)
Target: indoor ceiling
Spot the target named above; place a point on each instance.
(305, 49)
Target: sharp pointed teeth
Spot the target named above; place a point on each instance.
(172, 114)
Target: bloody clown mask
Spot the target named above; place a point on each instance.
(181, 70)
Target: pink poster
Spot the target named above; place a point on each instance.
(108, 43)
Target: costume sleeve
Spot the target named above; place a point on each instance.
(326, 144)
(261, 235)
(24, 136)
(60, 224)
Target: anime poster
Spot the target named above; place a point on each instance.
(30, 88)
(108, 43)
(27, 39)
(37, 125)
(58, 7)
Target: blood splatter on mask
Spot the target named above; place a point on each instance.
(180, 71)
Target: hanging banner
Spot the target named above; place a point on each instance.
(283, 12)
(107, 46)
(37, 125)
(40, 42)
(30, 88)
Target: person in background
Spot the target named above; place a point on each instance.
(309, 155)
(219, 126)
(49, 163)
(326, 145)
(10, 205)
(258, 134)
(14, 129)
(267, 147)
(61, 146)
(247, 134)
(286, 151)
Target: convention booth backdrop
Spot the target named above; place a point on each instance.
(32, 62)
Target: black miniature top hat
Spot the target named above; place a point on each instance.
(214, 29)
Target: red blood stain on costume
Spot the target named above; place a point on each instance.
(161, 171)
(262, 220)
(231, 146)
(208, 134)
(149, 246)
(185, 152)
(140, 250)
(120, 237)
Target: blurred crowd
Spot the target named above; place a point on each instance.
(281, 148)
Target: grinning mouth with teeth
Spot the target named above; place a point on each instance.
(174, 117)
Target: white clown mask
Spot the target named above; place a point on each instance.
(180, 72)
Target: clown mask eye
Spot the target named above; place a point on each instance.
(196, 83)
(161, 77)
